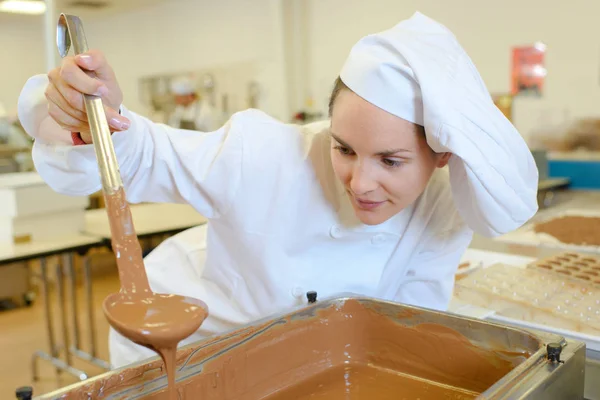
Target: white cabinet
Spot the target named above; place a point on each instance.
(31, 210)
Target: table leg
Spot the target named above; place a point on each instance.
(87, 274)
(48, 317)
(53, 356)
(70, 272)
(60, 365)
(548, 198)
(62, 301)
(92, 357)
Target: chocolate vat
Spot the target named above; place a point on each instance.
(355, 347)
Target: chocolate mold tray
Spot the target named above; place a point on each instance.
(535, 295)
(580, 267)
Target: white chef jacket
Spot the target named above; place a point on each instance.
(280, 223)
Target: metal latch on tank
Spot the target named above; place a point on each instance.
(553, 351)
(24, 393)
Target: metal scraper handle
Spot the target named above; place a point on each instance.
(70, 31)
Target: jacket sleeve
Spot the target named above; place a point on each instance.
(492, 171)
(430, 276)
(157, 163)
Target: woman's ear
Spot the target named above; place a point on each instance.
(443, 160)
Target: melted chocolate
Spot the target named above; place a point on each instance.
(577, 230)
(126, 246)
(156, 321)
(337, 353)
(355, 381)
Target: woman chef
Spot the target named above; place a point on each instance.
(359, 204)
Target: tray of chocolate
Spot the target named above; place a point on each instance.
(473, 259)
(535, 294)
(353, 347)
(571, 230)
(579, 267)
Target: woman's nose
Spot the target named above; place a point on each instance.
(362, 180)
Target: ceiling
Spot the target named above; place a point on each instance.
(103, 6)
(90, 8)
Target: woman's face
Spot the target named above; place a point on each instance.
(383, 161)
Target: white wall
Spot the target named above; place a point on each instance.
(186, 35)
(21, 56)
(487, 30)
(189, 34)
(179, 35)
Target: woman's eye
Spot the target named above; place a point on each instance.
(343, 150)
(388, 162)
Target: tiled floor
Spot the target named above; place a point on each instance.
(23, 331)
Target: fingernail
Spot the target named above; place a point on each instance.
(102, 91)
(85, 58)
(121, 124)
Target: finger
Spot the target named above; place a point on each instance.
(74, 76)
(94, 60)
(65, 120)
(54, 96)
(71, 96)
(115, 120)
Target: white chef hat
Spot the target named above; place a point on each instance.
(418, 71)
(182, 85)
(381, 75)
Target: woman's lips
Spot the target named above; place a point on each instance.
(367, 205)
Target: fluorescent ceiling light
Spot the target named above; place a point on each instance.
(23, 6)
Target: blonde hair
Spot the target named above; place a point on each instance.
(338, 86)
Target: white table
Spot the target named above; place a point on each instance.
(10, 253)
(64, 246)
(553, 183)
(149, 219)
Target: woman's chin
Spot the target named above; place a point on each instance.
(370, 217)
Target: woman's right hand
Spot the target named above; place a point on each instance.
(68, 84)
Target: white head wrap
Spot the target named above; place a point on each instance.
(418, 71)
